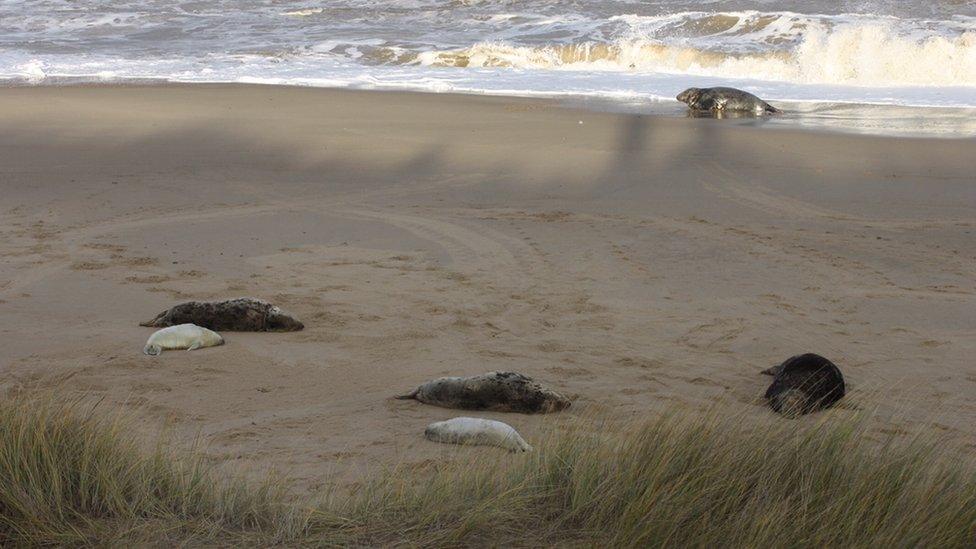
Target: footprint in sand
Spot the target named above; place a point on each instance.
(638, 362)
(565, 372)
(148, 279)
(89, 266)
(234, 435)
(151, 387)
(105, 247)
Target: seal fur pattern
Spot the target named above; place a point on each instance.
(494, 391)
(244, 314)
(725, 100)
(803, 384)
(183, 336)
(477, 432)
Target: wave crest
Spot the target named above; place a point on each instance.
(866, 55)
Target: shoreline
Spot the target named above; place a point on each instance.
(843, 117)
(638, 263)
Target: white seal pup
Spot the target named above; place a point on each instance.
(725, 100)
(477, 432)
(183, 336)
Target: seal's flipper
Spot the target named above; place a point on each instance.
(194, 346)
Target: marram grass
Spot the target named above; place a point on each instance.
(70, 475)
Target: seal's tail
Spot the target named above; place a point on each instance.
(412, 395)
(152, 323)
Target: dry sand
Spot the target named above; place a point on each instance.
(638, 263)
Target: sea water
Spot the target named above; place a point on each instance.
(912, 61)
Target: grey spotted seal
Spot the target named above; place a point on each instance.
(182, 336)
(477, 432)
(495, 391)
(244, 314)
(803, 384)
(724, 100)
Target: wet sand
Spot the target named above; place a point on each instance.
(637, 263)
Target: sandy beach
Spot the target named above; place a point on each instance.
(636, 263)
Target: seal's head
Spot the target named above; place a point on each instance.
(553, 402)
(280, 321)
(791, 403)
(689, 96)
(537, 398)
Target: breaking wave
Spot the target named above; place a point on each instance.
(849, 54)
(892, 52)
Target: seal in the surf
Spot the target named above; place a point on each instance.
(803, 384)
(183, 336)
(477, 432)
(495, 391)
(725, 100)
(235, 315)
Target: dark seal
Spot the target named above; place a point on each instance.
(235, 315)
(803, 384)
(494, 391)
(725, 100)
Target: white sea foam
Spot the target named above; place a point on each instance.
(305, 12)
(755, 46)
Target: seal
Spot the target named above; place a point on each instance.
(244, 314)
(803, 384)
(183, 336)
(495, 391)
(725, 100)
(477, 432)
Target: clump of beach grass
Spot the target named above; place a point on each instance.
(71, 473)
(691, 481)
(68, 476)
